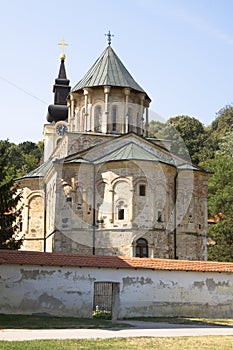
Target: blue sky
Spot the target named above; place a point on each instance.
(179, 51)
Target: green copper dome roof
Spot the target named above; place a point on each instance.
(108, 70)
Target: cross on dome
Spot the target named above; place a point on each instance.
(109, 36)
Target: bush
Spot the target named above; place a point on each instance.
(102, 314)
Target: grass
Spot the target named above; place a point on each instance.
(50, 322)
(181, 343)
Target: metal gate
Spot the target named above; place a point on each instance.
(103, 292)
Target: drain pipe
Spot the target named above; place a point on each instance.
(174, 223)
(93, 211)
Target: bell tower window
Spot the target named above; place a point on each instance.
(114, 119)
(98, 114)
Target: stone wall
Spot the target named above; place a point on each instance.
(69, 291)
(32, 205)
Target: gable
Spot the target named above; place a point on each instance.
(126, 147)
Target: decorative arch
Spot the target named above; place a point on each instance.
(122, 201)
(98, 111)
(161, 201)
(86, 143)
(120, 179)
(35, 215)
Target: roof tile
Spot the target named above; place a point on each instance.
(11, 257)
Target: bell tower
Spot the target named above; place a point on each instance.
(57, 114)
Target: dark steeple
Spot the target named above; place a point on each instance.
(59, 110)
(61, 87)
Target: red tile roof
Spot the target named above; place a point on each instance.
(11, 257)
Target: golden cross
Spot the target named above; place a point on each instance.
(63, 44)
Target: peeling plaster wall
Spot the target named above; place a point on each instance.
(67, 291)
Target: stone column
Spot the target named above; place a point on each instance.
(147, 121)
(71, 112)
(140, 121)
(126, 122)
(105, 119)
(85, 92)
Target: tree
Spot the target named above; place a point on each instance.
(15, 161)
(220, 205)
(226, 145)
(223, 122)
(9, 198)
(217, 131)
(156, 129)
(188, 135)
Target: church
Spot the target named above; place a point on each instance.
(105, 187)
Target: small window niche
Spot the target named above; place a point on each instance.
(142, 190)
(121, 214)
(159, 216)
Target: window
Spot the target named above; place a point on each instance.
(142, 248)
(98, 113)
(121, 214)
(142, 190)
(159, 216)
(114, 118)
(129, 120)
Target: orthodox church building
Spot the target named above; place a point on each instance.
(105, 187)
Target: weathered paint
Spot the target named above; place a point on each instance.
(68, 291)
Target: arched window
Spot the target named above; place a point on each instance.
(142, 248)
(114, 119)
(139, 130)
(82, 120)
(98, 114)
(130, 120)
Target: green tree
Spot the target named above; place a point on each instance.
(225, 145)
(223, 122)
(9, 198)
(220, 206)
(156, 129)
(218, 130)
(188, 135)
(15, 161)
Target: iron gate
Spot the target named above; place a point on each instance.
(103, 292)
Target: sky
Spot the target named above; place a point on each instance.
(179, 51)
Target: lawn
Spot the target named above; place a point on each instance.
(49, 322)
(182, 343)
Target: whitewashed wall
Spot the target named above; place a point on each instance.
(67, 291)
